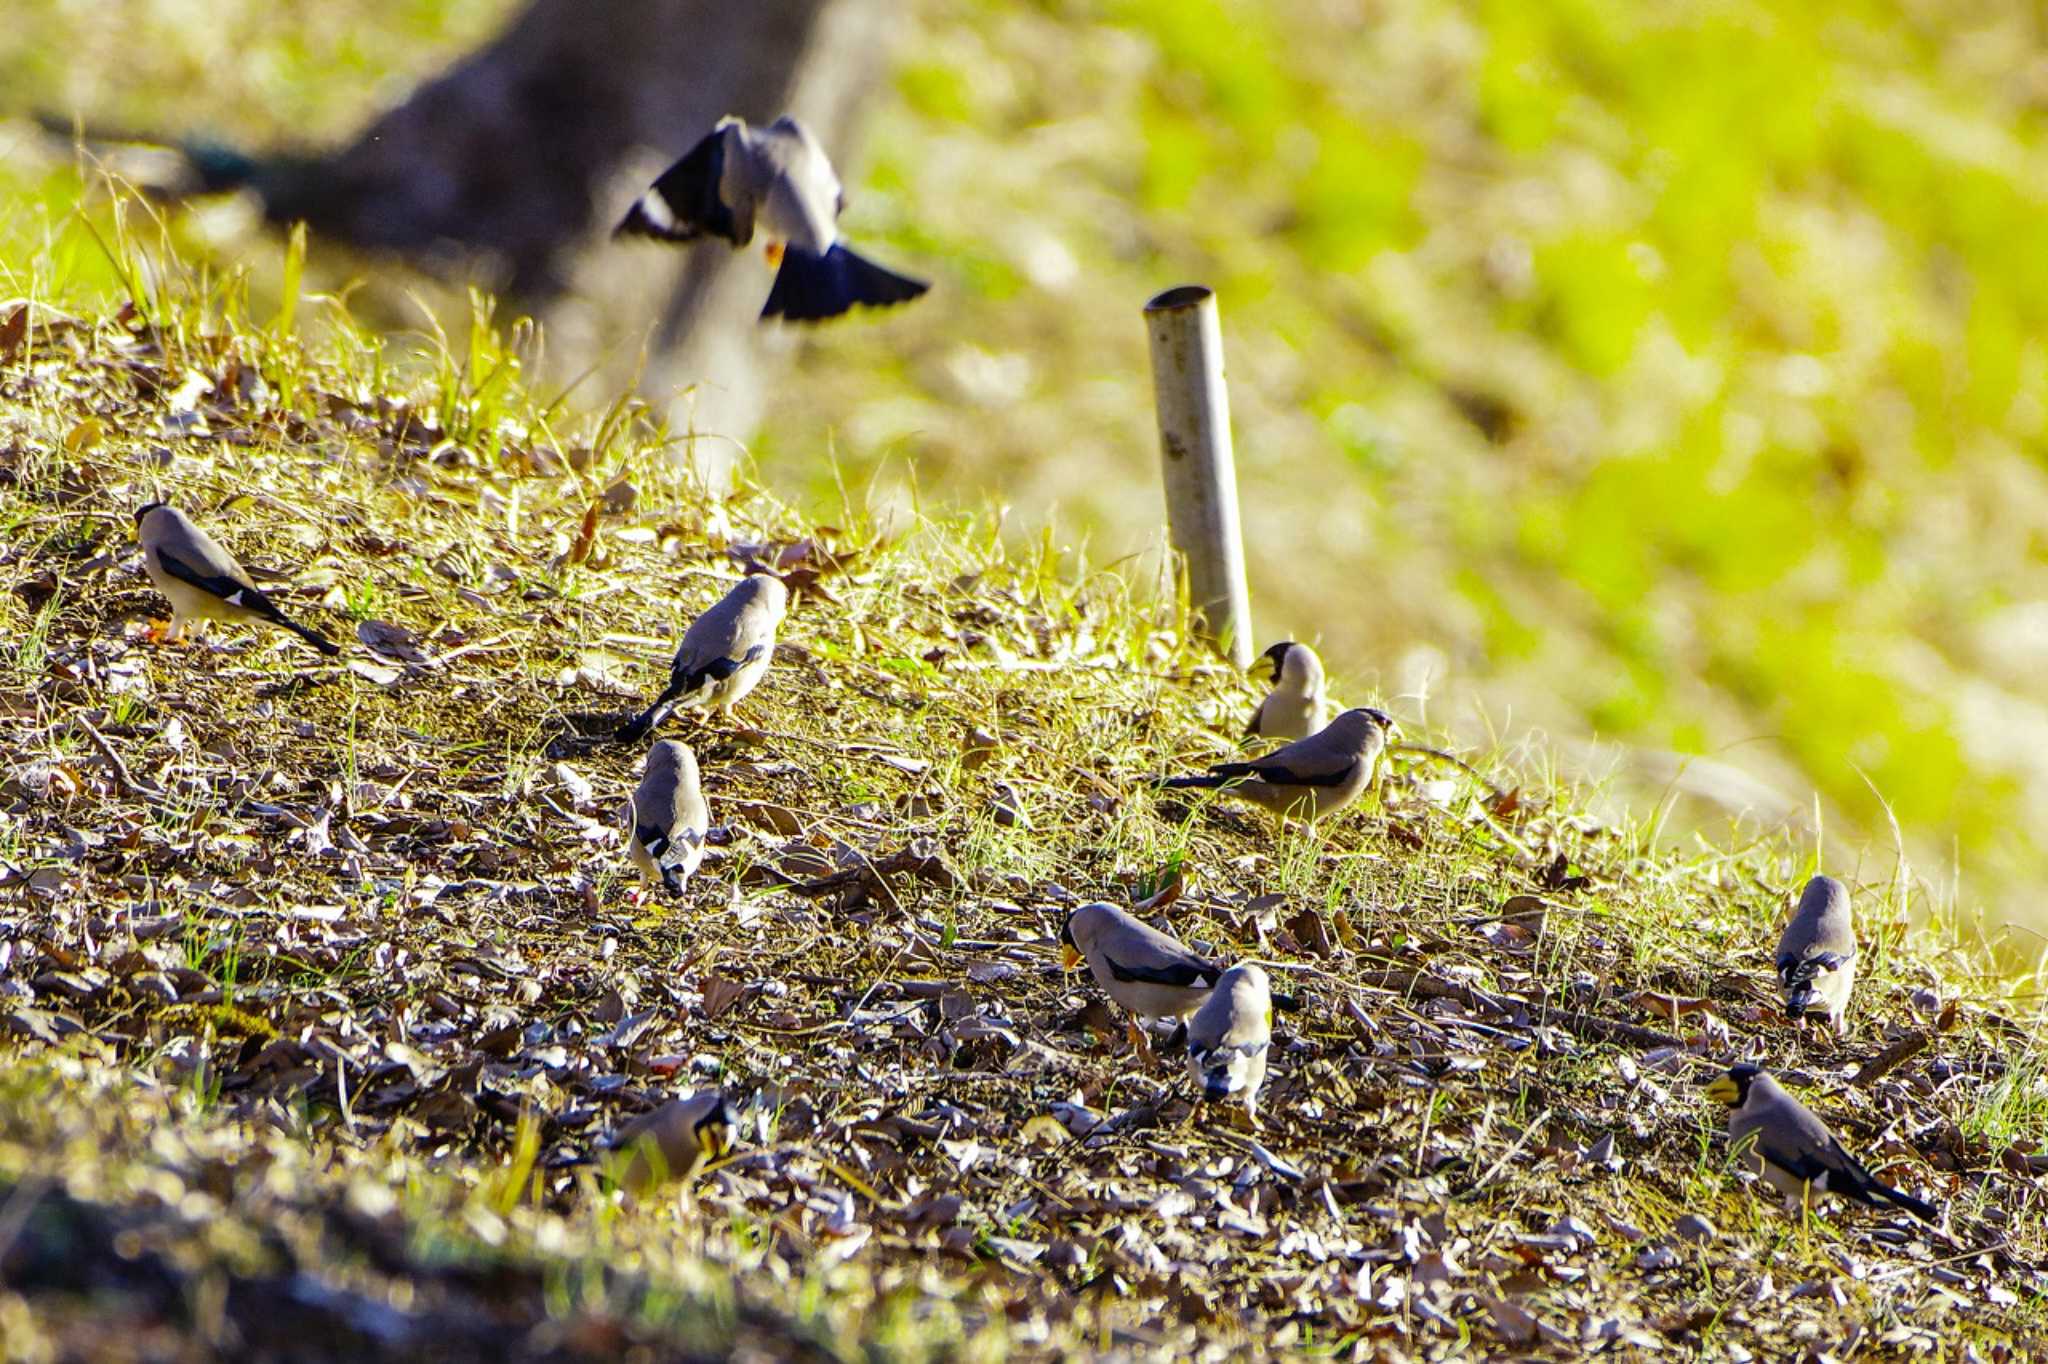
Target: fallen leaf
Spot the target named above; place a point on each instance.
(720, 994)
(13, 332)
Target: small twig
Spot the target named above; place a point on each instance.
(477, 647)
(1890, 1059)
(1509, 1154)
(124, 780)
(1454, 760)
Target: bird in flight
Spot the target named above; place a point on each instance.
(777, 181)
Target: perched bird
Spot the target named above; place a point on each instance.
(1295, 707)
(776, 179)
(1148, 972)
(723, 655)
(1228, 1038)
(1793, 1150)
(666, 818)
(673, 1141)
(1817, 953)
(1310, 777)
(202, 580)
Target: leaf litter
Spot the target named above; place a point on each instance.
(324, 987)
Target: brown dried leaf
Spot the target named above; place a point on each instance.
(586, 536)
(13, 332)
(1671, 1006)
(720, 994)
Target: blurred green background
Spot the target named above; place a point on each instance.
(1663, 382)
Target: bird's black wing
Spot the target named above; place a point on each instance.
(1809, 1163)
(1181, 974)
(1795, 969)
(684, 204)
(1279, 775)
(686, 680)
(229, 590)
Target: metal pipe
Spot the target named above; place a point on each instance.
(1200, 472)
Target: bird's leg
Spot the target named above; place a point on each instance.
(773, 251)
(1140, 1043)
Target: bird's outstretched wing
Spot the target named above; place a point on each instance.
(684, 203)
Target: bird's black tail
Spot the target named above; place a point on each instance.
(1206, 781)
(811, 288)
(637, 728)
(309, 634)
(1920, 1208)
(1865, 1187)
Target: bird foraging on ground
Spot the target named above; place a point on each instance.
(1310, 777)
(1295, 707)
(723, 656)
(666, 818)
(776, 180)
(1148, 972)
(1817, 954)
(1779, 1138)
(204, 582)
(672, 1142)
(1228, 1038)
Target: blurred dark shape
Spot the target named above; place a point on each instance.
(500, 162)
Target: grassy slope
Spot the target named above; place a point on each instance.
(1665, 375)
(311, 1035)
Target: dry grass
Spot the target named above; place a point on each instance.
(324, 981)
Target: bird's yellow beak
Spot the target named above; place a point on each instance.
(715, 1139)
(1070, 957)
(1723, 1090)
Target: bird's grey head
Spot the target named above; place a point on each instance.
(146, 508)
(1278, 656)
(765, 584)
(1823, 893)
(1366, 716)
(672, 754)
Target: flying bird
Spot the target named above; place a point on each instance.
(778, 181)
(1780, 1139)
(673, 1141)
(1150, 973)
(723, 656)
(666, 818)
(204, 582)
(1817, 953)
(1295, 707)
(1311, 777)
(1229, 1036)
